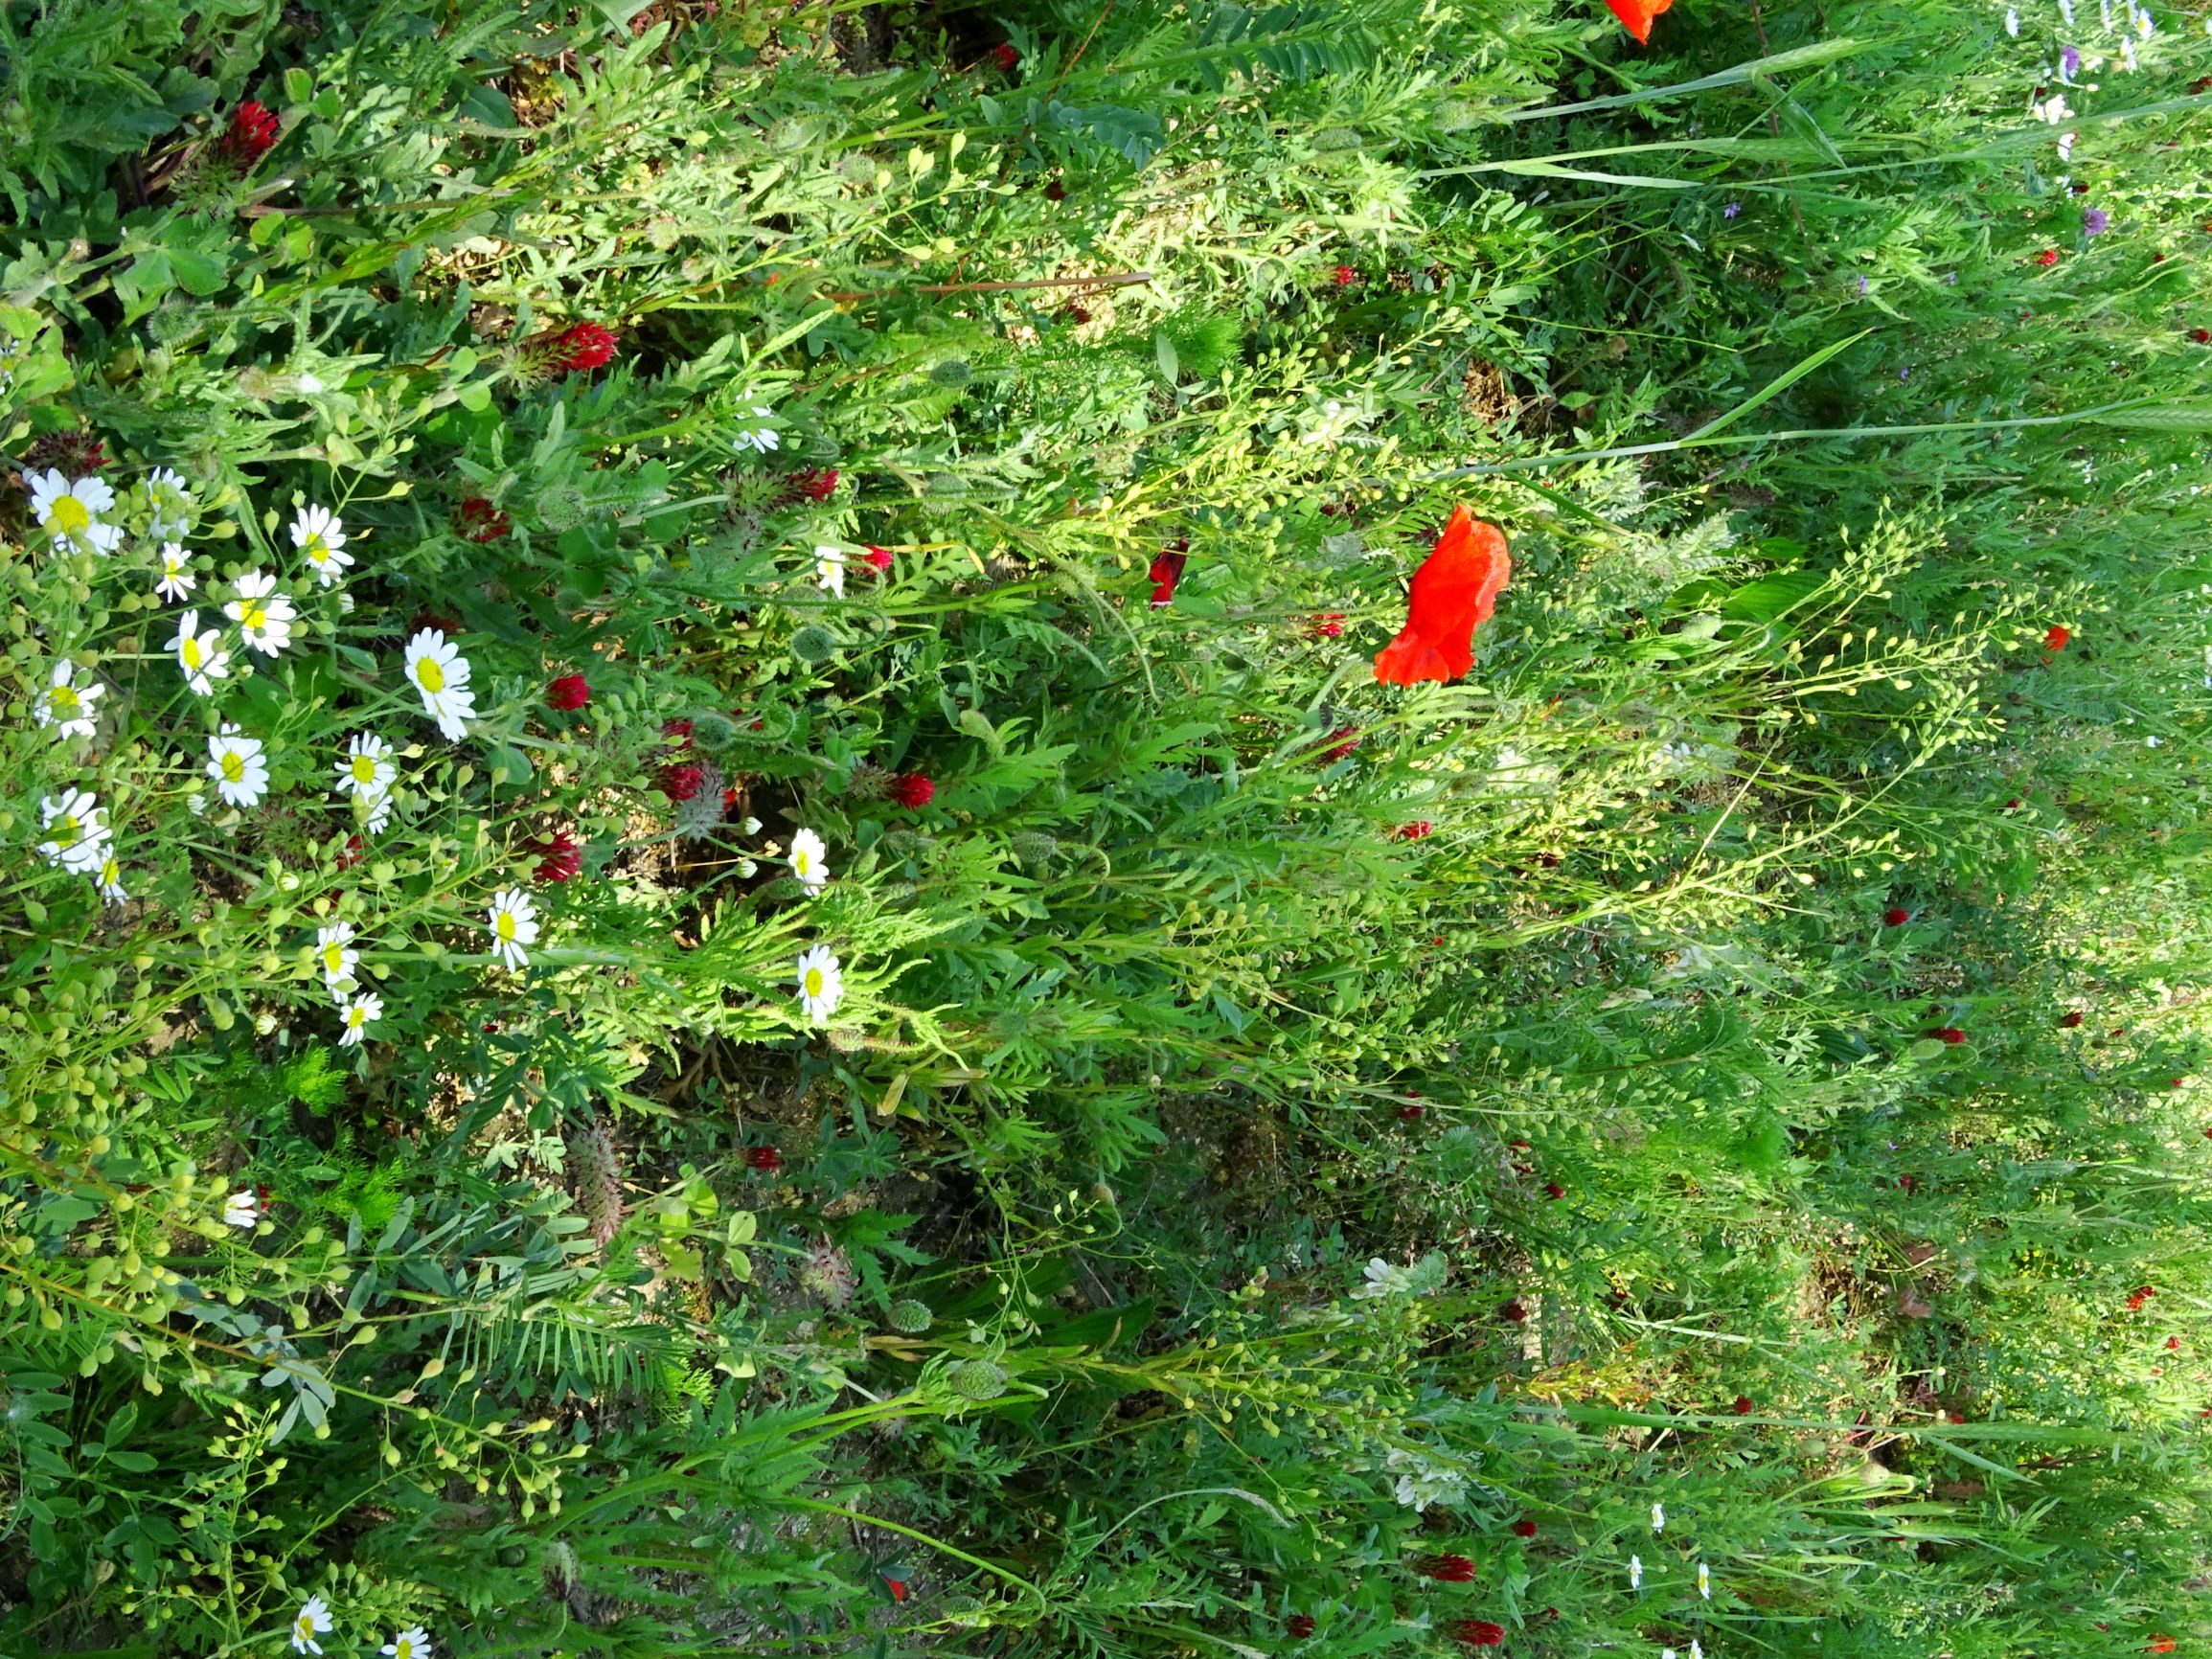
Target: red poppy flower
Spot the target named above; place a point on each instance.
(1447, 1568)
(896, 1588)
(2048, 257)
(1345, 276)
(1299, 1625)
(1636, 15)
(1948, 1033)
(1453, 595)
(1513, 1313)
(679, 782)
(1524, 1528)
(568, 693)
(1167, 571)
(912, 789)
(573, 349)
(478, 520)
(2069, 1019)
(811, 483)
(1006, 56)
(1478, 1633)
(560, 858)
(1744, 1406)
(764, 1158)
(2159, 1644)
(877, 558)
(252, 133)
(1895, 917)
(2056, 640)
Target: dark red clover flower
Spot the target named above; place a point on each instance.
(575, 349)
(1006, 55)
(2202, 336)
(559, 857)
(2048, 257)
(478, 520)
(1513, 1313)
(1477, 1633)
(349, 856)
(1744, 1406)
(568, 693)
(1894, 916)
(1328, 625)
(1524, 1528)
(678, 732)
(815, 483)
(1447, 1568)
(2072, 1018)
(1299, 1625)
(1553, 1191)
(877, 558)
(1948, 1033)
(679, 782)
(766, 1159)
(1345, 276)
(912, 790)
(1167, 571)
(252, 133)
(1412, 1113)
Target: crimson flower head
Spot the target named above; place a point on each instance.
(560, 858)
(877, 558)
(1907, 1182)
(1167, 571)
(1454, 594)
(1948, 1033)
(1553, 1191)
(2202, 336)
(478, 520)
(764, 1158)
(1637, 17)
(912, 790)
(1055, 191)
(1743, 1405)
(569, 350)
(349, 856)
(2173, 1345)
(252, 133)
(1418, 831)
(2072, 1018)
(1447, 1568)
(1524, 1528)
(1477, 1633)
(1894, 916)
(2048, 257)
(2159, 1644)
(680, 730)
(1078, 315)
(1412, 1113)
(2058, 637)
(568, 693)
(1299, 1625)
(896, 1588)
(1328, 625)
(1006, 56)
(679, 782)
(811, 483)
(1513, 1313)
(1345, 276)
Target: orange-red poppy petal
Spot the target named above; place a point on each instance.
(1454, 593)
(1636, 15)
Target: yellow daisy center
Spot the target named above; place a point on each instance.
(189, 650)
(234, 769)
(70, 516)
(802, 861)
(504, 927)
(318, 549)
(813, 982)
(109, 870)
(253, 614)
(429, 675)
(63, 698)
(364, 769)
(65, 831)
(333, 957)
(357, 1016)
(405, 1649)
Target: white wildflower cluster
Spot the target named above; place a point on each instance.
(314, 1620)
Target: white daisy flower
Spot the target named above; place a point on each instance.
(169, 500)
(236, 764)
(759, 438)
(1635, 1572)
(2066, 145)
(2013, 23)
(201, 655)
(411, 1644)
(379, 812)
(67, 705)
(75, 827)
(513, 922)
(1696, 1650)
(242, 1209)
(264, 615)
(109, 879)
(441, 673)
(1666, 1653)
(821, 986)
(320, 535)
(177, 577)
(808, 860)
(334, 952)
(1658, 1517)
(312, 1619)
(830, 568)
(368, 769)
(356, 1013)
(1705, 1580)
(69, 511)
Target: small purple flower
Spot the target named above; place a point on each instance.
(2096, 222)
(1905, 373)
(2069, 62)
(1863, 285)
(1731, 210)
(1950, 280)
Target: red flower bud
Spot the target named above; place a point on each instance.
(478, 520)
(877, 558)
(2048, 257)
(912, 790)
(2173, 1345)
(2202, 336)
(571, 350)
(1525, 1527)
(252, 133)
(1447, 1568)
(1893, 917)
(1414, 832)
(1345, 276)
(568, 693)
(1299, 1626)
(1744, 1407)
(1949, 1033)
(764, 1158)
(1005, 56)
(1328, 625)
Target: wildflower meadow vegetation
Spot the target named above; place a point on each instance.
(1335, 828)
